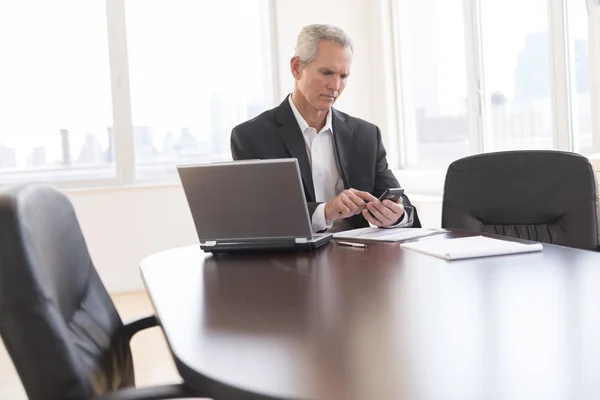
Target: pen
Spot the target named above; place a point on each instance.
(351, 244)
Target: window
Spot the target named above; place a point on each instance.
(194, 77)
(489, 75)
(55, 100)
(516, 74)
(117, 91)
(432, 60)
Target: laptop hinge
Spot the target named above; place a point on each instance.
(301, 240)
(210, 243)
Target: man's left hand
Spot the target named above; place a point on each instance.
(385, 213)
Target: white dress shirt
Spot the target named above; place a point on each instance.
(325, 173)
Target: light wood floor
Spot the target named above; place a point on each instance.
(153, 363)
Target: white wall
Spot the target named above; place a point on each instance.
(123, 225)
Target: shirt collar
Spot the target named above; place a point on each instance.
(302, 122)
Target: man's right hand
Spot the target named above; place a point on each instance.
(346, 204)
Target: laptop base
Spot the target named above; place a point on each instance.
(279, 245)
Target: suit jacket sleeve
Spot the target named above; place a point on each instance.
(240, 148)
(385, 179)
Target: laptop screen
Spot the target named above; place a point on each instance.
(250, 199)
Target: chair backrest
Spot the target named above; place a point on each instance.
(546, 196)
(57, 320)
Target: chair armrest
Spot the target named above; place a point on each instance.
(140, 324)
(179, 391)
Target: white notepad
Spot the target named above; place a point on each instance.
(385, 235)
(470, 247)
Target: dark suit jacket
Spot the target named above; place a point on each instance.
(359, 150)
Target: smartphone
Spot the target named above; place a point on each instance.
(393, 194)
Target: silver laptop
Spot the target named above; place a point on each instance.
(249, 205)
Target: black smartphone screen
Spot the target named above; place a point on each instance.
(392, 194)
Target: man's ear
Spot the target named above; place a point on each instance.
(296, 67)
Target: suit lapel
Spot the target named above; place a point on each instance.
(342, 137)
(289, 132)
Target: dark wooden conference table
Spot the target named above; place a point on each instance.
(381, 323)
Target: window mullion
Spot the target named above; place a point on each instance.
(560, 76)
(407, 126)
(474, 77)
(121, 99)
(594, 43)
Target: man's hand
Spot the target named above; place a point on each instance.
(346, 204)
(384, 213)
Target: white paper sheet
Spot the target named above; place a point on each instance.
(470, 247)
(385, 235)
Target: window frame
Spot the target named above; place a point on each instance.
(594, 49)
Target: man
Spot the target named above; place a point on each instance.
(342, 159)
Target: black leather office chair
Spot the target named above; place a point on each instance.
(545, 196)
(57, 320)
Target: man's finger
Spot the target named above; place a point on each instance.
(351, 204)
(396, 208)
(369, 217)
(360, 203)
(342, 209)
(384, 210)
(364, 195)
(383, 219)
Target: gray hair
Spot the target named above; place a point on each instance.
(310, 35)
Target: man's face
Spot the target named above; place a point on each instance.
(326, 75)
